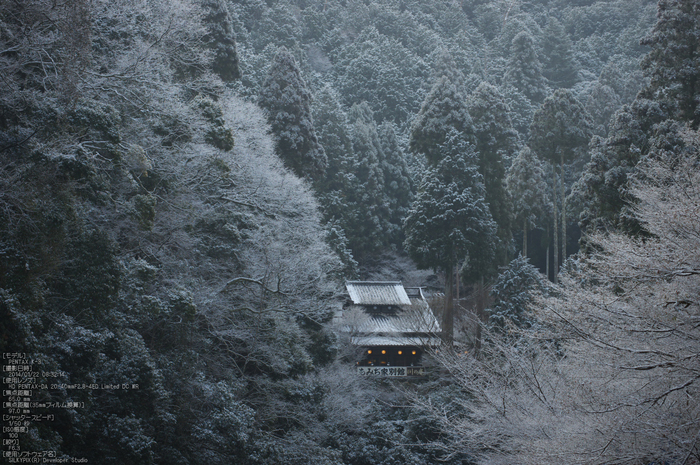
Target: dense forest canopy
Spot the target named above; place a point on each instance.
(186, 184)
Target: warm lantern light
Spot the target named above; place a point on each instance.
(400, 352)
(369, 351)
(383, 352)
(414, 352)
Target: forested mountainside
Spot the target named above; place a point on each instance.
(374, 70)
(185, 185)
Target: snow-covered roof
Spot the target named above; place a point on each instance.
(396, 341)
(399, 320)
(377, 293)
(416, 318)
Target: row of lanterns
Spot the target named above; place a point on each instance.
(400, 352)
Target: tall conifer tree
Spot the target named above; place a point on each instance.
(367, 218)
(443, 109)
(560, 127)
(450, 219)
(398, 184)
(524, 70)
(496, 142)
(560, 67)
(673, 64)
(288, 104)
(527, 186)
(221, 39)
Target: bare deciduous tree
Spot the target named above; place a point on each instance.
(610, 371)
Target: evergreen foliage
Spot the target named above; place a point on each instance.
(333, 129)
(624, 76)
(638, 130)
(368, 230)
(450, 218)
(559, 128)
(368, 188)
(450, 222)
(649, 125)
(560, 68)
(514, 294)
(221, 39)
(444, 64)
(601, 104)
(380, 70)
(526, 184)
(398, 182)
(443, 110)
(524, 71)
(288, 102)
(673, 63)
(496, 143)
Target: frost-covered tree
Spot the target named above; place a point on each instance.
(514, 295)
(334, 132)
(398, 183)
(496, 143)
(560, 67)
(450, 219)
(287, 100)
(274, 23)
(527, 187)
(639, 319)
(673, 64)
(378, 69)
(601, 193)
(647, 126)
(141, 246)
(368, 228)
(443, 110)
(625, 319)
(601, 104)
(624, 75)
(368, 188)
(609, 372)
(560, 128)
(524, 70)
(221, 39)
(521, 110)
(444, 65)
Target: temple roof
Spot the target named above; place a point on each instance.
(422, 341)
(416, 318)
(377, 293)
(382, 313)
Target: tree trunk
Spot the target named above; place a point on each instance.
(555, 263)
(457, 285)
(547, 256)
(479, 315)
(525, 228)
(448, 313)
(563, 213)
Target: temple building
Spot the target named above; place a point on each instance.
(392, 326)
